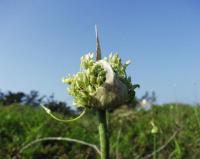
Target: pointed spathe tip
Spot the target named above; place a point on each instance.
(98, 48)
(96, 30)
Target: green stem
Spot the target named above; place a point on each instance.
(103, 134)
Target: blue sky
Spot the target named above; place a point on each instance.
(42, 41)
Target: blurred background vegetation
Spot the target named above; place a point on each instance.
(23, 121)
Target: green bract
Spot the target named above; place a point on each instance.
(102, 84)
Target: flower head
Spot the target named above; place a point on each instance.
(100, 84)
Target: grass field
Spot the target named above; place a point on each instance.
(178, 134)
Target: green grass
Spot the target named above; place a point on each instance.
(130, 133)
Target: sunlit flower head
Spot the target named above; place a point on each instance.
(100, 84)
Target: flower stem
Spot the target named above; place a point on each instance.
(103, 134)
(103, 126)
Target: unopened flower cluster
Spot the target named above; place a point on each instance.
(92, 75)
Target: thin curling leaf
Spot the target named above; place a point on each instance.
(48, 111)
